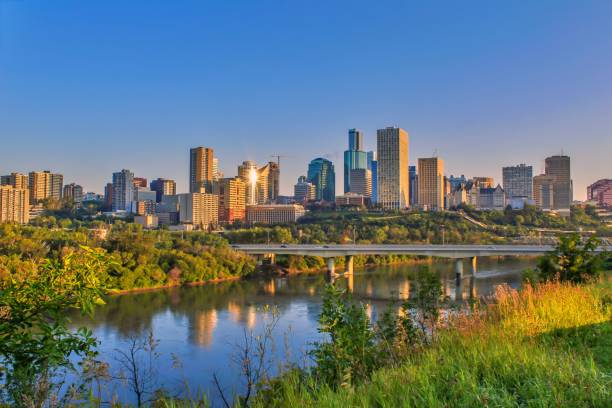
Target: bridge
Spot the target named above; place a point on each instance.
(458, 252)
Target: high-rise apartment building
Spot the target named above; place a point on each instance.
(108, 196)
(304, 191)
(45, 185)
(601, 192)
(199, 209)
(321, 173)
(559, 168)
(355, 157)
(231, 192)
(431, 183)
(162, 187)
(16, 180)
(14, 204)
(413, 185)
(543, 187)
(200, 169)
(123, 190)
(361, 182)
(73, 192)
(518, 182)
(392, 172)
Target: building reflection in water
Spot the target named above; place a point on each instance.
(269, 287)
(404, 290)
(204, 326)
(246, 316)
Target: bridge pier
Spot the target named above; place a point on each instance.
(348, 264)
(459, 268)
(331, 266)
(272, 257)
(474, 260)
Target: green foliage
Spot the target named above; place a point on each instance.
(572, 260)
(35, 341)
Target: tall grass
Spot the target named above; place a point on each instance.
(546, 345)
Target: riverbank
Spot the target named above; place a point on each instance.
(548, 345)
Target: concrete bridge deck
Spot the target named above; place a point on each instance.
(458, 252)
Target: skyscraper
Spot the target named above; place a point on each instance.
(321, 173)
(559, 168)
(17, 180)
(262, 184)
(140, 182)
(163, 187)
(392, 175)
(413, 185)
(123, 190)
(199, 209)
(601, 192)
(431, 183)
(73, 192)
(200, 169)
(373, 167)
(518, 182)
(354, 157)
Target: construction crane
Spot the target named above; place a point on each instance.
(278, 157)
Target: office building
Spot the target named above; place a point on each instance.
(600, 192)
(14, 204)
(231, 192)
(304, 191)
(518, 184)
(321, 173)
(373, 167)
(355, 157)
(140, 182)
(123, 190)
(392, 175)
(431, 183)
(73, 192)
(45, 185)
(199, 209)
(274, 213)
(361, 182)
(559, 168)
(162, 187)
(413, 185)
(144, 201)
(262, 184)
(543, 187)
(352, 200)
(16, 180)
(200, 169)
(247, 171)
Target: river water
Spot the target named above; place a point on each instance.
(200, 329)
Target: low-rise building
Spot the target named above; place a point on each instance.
(492, 198)
(148, 221)
(352, 200)
(274, 213)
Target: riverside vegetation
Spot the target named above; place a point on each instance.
(548, 344)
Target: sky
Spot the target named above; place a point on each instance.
(91, 87)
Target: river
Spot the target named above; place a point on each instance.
(200, 329)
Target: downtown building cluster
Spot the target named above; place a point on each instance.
(386, 179)
(22, 195)
(213, 200)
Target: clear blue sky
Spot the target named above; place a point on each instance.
(90, 87)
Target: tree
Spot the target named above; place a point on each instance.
(572, 260)
(35, 341)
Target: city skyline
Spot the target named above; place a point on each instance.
(505, 84)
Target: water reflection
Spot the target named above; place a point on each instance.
(202, 325)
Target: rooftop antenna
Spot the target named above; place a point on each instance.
(435, 153)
